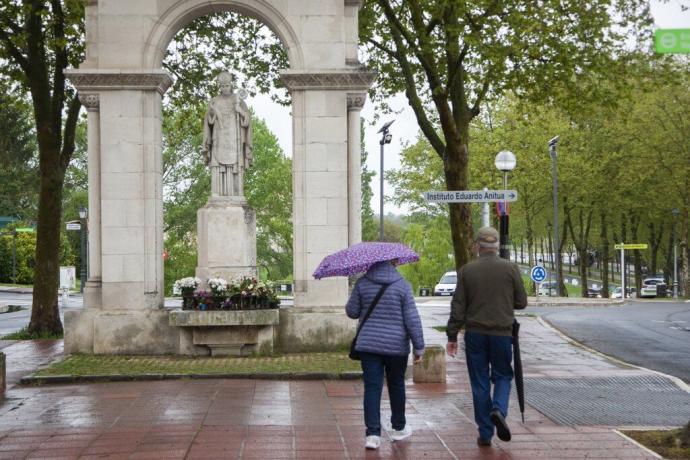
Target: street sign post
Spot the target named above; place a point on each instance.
(471, 196)
(631, 246)
(623, 247)
(672, 41)
(538, 274)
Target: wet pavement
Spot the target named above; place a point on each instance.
(254, 419)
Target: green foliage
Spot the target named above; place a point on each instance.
(18, 174)
(25, 256)
(430, 238)
(268, 187)
(224, 41)
(369, 224)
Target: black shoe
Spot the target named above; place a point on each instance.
(481, 442)
(502, 429)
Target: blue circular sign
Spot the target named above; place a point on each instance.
(538, 274)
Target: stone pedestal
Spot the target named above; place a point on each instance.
(222, 333)
(315, 329)
(432, 369)
(226, 230)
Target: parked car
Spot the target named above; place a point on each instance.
(446, 286)
(629, 292)
(594, 293)
(549, 289)
(653, 287)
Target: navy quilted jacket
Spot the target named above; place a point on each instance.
(395, 320)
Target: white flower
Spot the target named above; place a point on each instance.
(184, 284)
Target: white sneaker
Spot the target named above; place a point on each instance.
(399, 435)
(373, 442)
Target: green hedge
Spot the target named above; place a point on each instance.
(26, 257)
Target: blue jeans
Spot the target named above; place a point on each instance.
(373, 368)
(489, 359)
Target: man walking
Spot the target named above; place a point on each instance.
(489, 289)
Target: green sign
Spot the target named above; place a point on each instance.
(672, 41)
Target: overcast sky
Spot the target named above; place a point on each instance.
(404, 130)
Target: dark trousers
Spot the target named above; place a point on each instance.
(489, 359)
(373, 368)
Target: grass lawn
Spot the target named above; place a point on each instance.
(23, 334)
(664, 443)
(84, 365)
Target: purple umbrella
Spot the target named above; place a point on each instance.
(359, 257)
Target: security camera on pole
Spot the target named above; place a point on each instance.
(556, 242)
(505, 162)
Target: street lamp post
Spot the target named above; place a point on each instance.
(83, 215)
(505, 162)
(675, 213)
(556, 242)
(386, 138)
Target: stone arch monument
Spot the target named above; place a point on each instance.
(121, 83)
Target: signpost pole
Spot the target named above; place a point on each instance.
(622, 272)
(14, 256)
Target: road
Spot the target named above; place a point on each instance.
(655, 335)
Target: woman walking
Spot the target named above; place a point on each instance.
(383, 344)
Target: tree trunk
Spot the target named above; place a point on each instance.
(604, 256)
(655, 242)
(582, 268)
(45, 317)
(684, 252)
(460, 216)
(634, 225)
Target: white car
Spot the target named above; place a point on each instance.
(447, 284)
(616, 294)
(651, 287)
(549, 289)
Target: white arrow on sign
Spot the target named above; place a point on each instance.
(471, 196)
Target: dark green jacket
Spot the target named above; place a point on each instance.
(489, 289)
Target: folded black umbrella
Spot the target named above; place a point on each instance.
(517, 367)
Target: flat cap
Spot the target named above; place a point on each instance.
(487, 237)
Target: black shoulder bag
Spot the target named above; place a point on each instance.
(354, 354)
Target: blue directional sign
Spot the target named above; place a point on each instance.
(538, 274)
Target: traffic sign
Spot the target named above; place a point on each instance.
(471, 196)
(631, 246)
(672, 41)
(538, 274)
(73, 226)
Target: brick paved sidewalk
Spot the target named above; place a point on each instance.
(254, 419)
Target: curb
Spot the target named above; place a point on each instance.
(33, 379)
(679, 383)
(641, 446)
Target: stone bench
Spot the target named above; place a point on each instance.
(225, 332)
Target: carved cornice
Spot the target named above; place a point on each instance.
(93, 81)
(356, 80)
(90, 101)
(355, 101)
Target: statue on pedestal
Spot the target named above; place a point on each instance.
(228, 139)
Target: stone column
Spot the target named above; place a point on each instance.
(131, 318)
(92, 289)
(321, 204)
(355, 102)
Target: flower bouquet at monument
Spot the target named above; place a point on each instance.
(248, 293)
(219, 291)
(186, 287)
